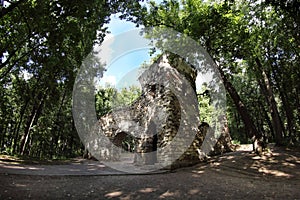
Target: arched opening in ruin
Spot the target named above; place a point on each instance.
(124, 141)
(139, 146)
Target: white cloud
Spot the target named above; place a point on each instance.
(105, 50)
(201, 79)
(108, 80)
(199, 82)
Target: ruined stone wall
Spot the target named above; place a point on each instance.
(164, 109)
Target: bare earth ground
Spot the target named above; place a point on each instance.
(237, 175)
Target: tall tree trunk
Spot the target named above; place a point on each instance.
(266, 88)
(251, 129)
(282, 86)
(288, 111)
(2, 137)
(55, 132)
(267, 118)
(17, 129)
(297, 95)
(35, 112)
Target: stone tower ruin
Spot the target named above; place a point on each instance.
(163, 122)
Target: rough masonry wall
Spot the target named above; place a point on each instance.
(154, 118)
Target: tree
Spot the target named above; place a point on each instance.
(198, 20)
(245, 36)
(43, 44)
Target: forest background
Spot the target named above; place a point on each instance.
(255, 45)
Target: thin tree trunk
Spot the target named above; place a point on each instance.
(17, 130)
(269, 121)
(268, 93)
(55, 136)
(282, 88)
(2, 138)
(288, 112)
(31, 121)
(251, 129)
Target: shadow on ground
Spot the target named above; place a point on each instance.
(277, 162)
(237, 175)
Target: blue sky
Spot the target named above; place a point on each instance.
(129, 62)
(123, 71)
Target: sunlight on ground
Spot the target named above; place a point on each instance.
(230, 157)
(276, 164)
(288, 164)
(293, 159)
(75, 170)
(169, 194)
(147, 190)
(199, 172)
(20, 185)
(21, 167)
(274, 172)
(114, 194)
(194, 191)
(271, 163)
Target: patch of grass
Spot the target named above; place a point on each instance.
(236, 142)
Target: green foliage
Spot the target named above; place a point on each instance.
(43, 45)
(126, 96)
(236, 142)
(104, 98)
(109, 98)
(255, 45)
(206, 110)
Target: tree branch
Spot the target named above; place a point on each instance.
(4, 11)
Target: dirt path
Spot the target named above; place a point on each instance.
(238, 175)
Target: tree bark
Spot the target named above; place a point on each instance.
(18, 126)
(35, 112)
(285, 96)
(288, 111)
(251, 129)
(266, 89)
